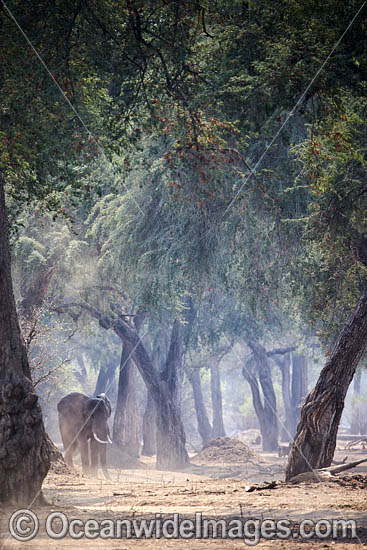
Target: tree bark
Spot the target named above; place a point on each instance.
(24, 453)
(150, 414)
(270, 429)
(171, 439)
(315, 441)
(204, 427)
(126, 424)
(149, 428)
(216, 391)
(169, 412)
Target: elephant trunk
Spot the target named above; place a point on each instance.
(101, 433)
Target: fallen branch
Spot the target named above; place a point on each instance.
(341, 468)
(351, 444)
(324, 474)
(269, 485)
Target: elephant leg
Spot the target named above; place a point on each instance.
(94, 453)
(103, 457)
(71, 448)
(68, 441)
(84, 454)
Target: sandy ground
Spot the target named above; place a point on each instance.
(217, 491)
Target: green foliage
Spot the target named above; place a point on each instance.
(182, 98)
(333, 169)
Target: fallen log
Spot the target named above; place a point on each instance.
(323, 474)
(351, 444)
(342, 467)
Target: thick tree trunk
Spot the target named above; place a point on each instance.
(216, 391)
(204, 427)
(171, 440)
(169, 412)
(24, 453)
(172, 372)
(126, 424)
(150, 414)
(149, 428)
(271, 430)
(53, 452)
(315, 441)
(355, 425)
(250, 377)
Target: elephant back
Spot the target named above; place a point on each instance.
(73, 405)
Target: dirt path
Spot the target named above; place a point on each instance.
(139, 494)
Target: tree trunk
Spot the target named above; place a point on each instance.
(24, 453)
(126, 424)
(289, 429)
(204, 427)
(105, 378)
(149, 428)
(216, 391)
(355, 425)
(299, 384)
(172, 372)
(150, 414)
(171, 440)
(250, 377)
(169, 412)
(271, 430)
(315, 441)
(81, 373)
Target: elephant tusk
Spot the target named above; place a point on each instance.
(99, 440)
(109, 439)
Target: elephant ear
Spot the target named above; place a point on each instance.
(107, 403)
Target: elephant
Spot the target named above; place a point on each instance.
(83, 423)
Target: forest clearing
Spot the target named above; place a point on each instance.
(183, 273)
(212, 490)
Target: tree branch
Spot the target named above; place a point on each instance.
(280, 351)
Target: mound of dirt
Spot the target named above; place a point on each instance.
(227, 451)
